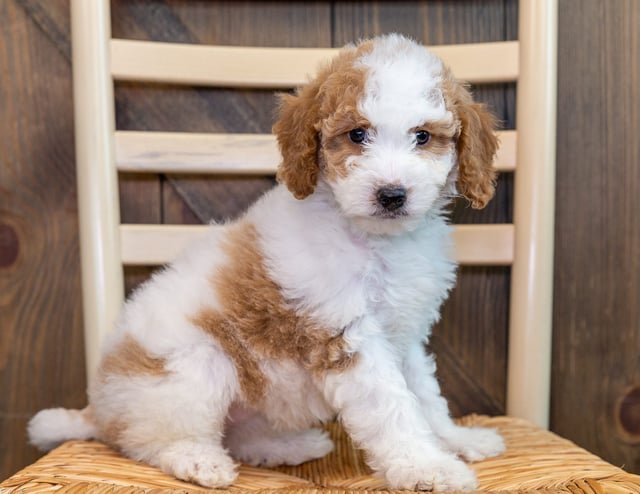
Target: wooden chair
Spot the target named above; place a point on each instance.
(536, 460)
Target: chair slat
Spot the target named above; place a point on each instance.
(484, 245)
(252, 154)
(151, 245)
(182, 152)
(256, 67)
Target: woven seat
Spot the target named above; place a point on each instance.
(536, 460)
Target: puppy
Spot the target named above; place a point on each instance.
(318, 301)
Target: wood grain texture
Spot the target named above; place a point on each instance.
(238, 154)
(41, 340)
(156, 245)
(597, 265)
(212, 110)
(280, 68)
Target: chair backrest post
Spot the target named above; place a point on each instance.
(99, 215)
(529, 369)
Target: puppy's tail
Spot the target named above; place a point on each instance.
(53, 426)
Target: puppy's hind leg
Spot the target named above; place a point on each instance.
(174, 421)
(252, 440)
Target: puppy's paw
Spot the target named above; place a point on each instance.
(287, 448)
(474, 443)
(440, 474)
(308, 445)
(203, 464)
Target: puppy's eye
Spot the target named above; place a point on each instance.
(422, 137)
(358, 136)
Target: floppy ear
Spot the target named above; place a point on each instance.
(477, 145)
(298, 140)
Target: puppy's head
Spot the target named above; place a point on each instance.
(391, 132)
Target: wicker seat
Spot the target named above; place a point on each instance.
(536, 460)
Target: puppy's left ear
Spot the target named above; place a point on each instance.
(477, 145)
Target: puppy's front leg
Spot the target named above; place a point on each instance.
(383, 417)
(472, 443)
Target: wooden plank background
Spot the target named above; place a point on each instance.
(41, 342)
(596, 360)
(598, 235)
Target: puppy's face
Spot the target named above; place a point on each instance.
(389, 130)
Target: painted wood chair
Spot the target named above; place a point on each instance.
(536, 459)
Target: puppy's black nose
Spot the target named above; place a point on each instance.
(391, 197)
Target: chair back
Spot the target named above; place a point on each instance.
(102, 151)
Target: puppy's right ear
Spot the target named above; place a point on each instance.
(298, 139)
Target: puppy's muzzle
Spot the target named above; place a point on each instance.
(391, 197)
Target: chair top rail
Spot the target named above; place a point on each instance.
(278, 68)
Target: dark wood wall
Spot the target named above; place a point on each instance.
(596, 318)
(596, 360)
